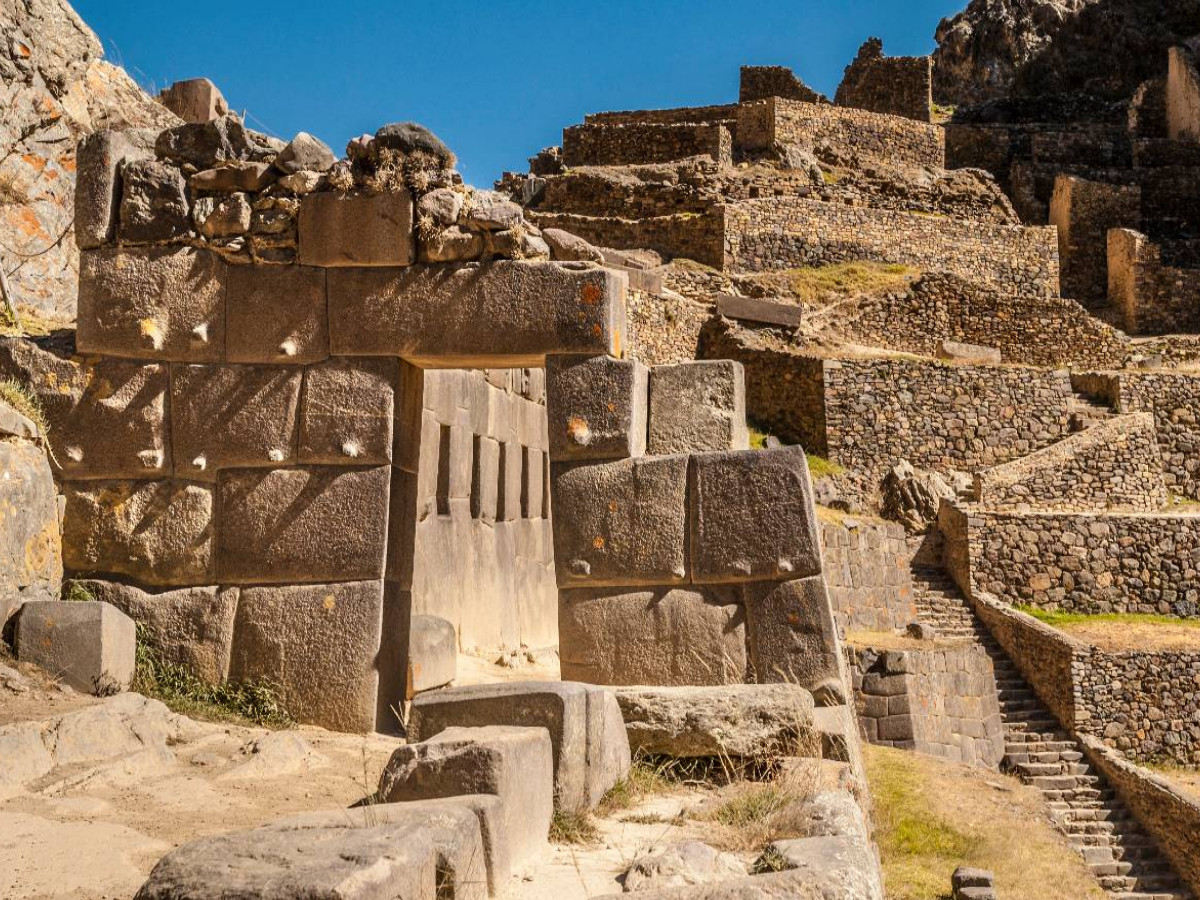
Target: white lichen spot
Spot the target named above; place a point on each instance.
(351, 449)
(200, 462)
(288, 348)
(200, 333)
(276, 455)
(75, 454)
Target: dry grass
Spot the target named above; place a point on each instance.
(747, 815)
(24, 401)
(33, 323)
(1118, 632)
(574, 827)
(891, 640)
(645, 778)
(824, 284)
(1187, 780)
(933, 816)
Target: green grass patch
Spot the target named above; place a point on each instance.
(820, 467)
(24, 401)
(245, 703)
(1060, 619)
(77, 592)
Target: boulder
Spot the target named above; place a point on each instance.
(451, 244)
(912, 497)
(194, 100)
(154, 203)
(89, 645)
(698, 407)
(746, 721)
(304, 153)
(490, 211)
(440, 208)
(836, 814)
(226, 217)
(597, 407)
(677, 865)
(409, 137)
(432, 654)
(566, 246)
(234, 176)
(843, 868)
(348, 230)
(204, 144)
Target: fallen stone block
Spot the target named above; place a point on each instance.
(233, 416)
(158, 532)
(591, 751)
(515, 764)
(745, 721)
(194, 100)
(345, 230)
(697, 407)
(973, 354)
(666, 636)
(838, 866)
(348, 412)
(442, 316)
(152, 303)
(968, 883)
(31, 563)
(98, 160)
(792, 636)
(191, 627)
(302, 525)
(688, 863)
(596, 406)
(269, 863)
(276, 314)
(90, 646)
(621, 523)
(752, 517)
(432, 654)
(317, 643)
(768, 312)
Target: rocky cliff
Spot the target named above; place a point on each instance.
(55, 87)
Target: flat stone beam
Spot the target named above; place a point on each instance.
(503, 314)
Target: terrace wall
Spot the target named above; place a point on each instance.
(893, 85)
(868, 575)
(620, 145)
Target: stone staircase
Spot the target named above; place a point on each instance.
(1122, 856)
(1083, 411)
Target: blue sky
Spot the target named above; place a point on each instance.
(497, 81)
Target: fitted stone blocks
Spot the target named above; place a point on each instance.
(590, 754)
(347, 230)
(89, 645)
(277, 314)
(432, 315)
(191, 627)
(668, 636)
(598, 407)
(751, 517)
(317, 643)
(158, 532)
(515, 764)
(98, 160)
(697, 407)
(348, 412)
(155, 303)
(233, 416)
(316, 524)
(792, 634)
(621, 523)
(432, 654)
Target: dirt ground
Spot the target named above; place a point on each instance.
(1149, 637)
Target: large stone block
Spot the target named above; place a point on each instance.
(302, 525)
(98, 160)
(31, 563)
(652, 636)
(191, 627)
(515, 764)
(698, 407)
(107, 417)
(792, 635)
(349, 407)
(152, 303)
(752, 517)
(154, 203)
(318, 644)
(276, 314)
(597, 407)
(228, 416)
(90, 646)
(334, 863)
(158, 532)
(621, 523)
(346, 230)
(432, 654)
(590, 755)
(501, 314)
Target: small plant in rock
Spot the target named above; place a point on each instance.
(646, 777)
(24, 401)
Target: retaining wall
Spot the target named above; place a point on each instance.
(1151, 296)
(868, 575)
(617, 145)
(894, 85)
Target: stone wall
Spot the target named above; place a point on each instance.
(685, 236)
(725, 114)
(761, 82)
(894, 85)
(940, 702)
(1183, 95)
(1042, 331)
(616, 145)
(857, 135)
(1152, 297)
(1084, 212)
(868, 575)
(784, 233)
(1112, 466)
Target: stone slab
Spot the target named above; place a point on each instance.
(276, 314)
(191, 627)
(233, 416)
(766, 312)
(647, 635)
(155, 303)
(842, 867)
(974, 354)
(698, 407)
(90, 646)
(432, 654)
(157, 532)
(450, 316)
(752, 517)
(792, 635)
(98, 160)
(317, 643)
(317, 524)
(348, 412)
(31, 564)
(597, 407)
(621, 523)
(345, 230)
(515, 764)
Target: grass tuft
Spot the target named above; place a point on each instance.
(752, 814)
(820, 467)
(818, 285)
(645, 778)
(77, 592)
(244, 703)
(1060, 619)
(573, 827)
(24, 401)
